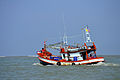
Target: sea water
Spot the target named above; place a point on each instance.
(29, 68)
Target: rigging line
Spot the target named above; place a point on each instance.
(83, 34)
(74, 36)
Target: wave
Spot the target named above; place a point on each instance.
(32, 56)
(104, 64)
(37, 64)
(98, 64)
(41, 64)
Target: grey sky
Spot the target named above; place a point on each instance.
(25, 24)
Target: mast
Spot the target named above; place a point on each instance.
(87, 35)
(87, 39)
(65, 36)
(65, 39)
(44, 45)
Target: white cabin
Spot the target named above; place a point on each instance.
(72, 56)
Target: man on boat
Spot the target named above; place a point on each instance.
(92, 55)
(43, 50)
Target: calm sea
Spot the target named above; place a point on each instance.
(28, 68)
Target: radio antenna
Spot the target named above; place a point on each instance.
(65, 36)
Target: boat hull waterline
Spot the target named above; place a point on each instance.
(45, 61)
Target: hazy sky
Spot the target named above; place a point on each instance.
(25, 24)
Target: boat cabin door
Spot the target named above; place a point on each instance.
(83, 55)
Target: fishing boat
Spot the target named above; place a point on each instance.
(70, 55)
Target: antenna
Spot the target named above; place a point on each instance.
(65, 36)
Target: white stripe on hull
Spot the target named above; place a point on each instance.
(70, 63)
(48, 61)
(90, 61)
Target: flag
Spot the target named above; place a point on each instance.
(86, 30)
(45, 42)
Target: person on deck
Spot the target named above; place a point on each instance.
(43, 50)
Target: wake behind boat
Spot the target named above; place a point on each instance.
(70, 55)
